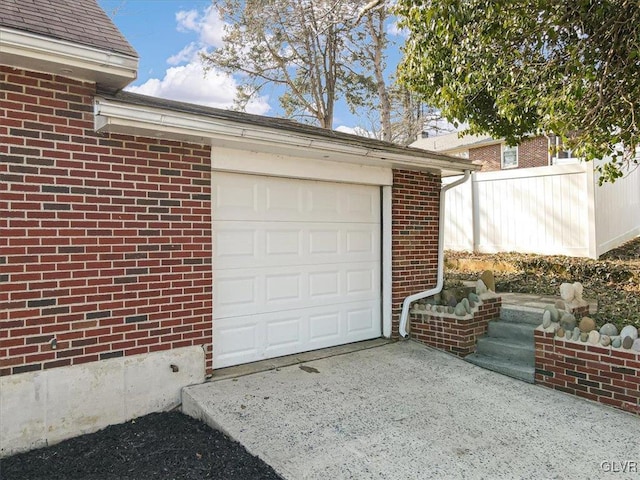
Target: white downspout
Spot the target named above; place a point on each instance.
(440, 281)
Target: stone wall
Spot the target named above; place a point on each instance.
(604, 374)
(451, 333)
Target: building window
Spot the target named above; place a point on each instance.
(509, 156)
(559, 154)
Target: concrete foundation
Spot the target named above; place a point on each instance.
(45, 407)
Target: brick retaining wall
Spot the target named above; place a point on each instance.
(603, 374)
(453, 334)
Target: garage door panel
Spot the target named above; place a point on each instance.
(260, 244)
(257, 198)
(296, 266)
(235, 198)
(240, 292)
(269, 335)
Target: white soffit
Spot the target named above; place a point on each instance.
(44, 54)
(124, 118)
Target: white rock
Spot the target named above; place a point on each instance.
(594, 337)
(629, 331)
(546, 319)
(480, 287)
(577, 291)
(567, 292)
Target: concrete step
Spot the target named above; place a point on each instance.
(523, 372)
(510, 330)
(518, 351)
(521, 314)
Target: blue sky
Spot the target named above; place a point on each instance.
(167, 34)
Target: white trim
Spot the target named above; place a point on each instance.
(260, 163)
(37, 52)
(120, 117)
(387, 259)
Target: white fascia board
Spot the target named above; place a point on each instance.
(126, 118)
(36, 52)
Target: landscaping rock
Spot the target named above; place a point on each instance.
(594, 337)
(560, 332)
(609, 329)
(576, 334)
(605, 340)
(473, 298)
(584, 336)
(467, 306)
(568, 321)
(480, 287)
(627, 342)
(636, 345)
(568, 334)
(587, 324)
(567, 292)
(577, 291)
(546, 319)
(616, 342)
(629, 331)
(460, 311)
(489, 280)
(555, 316)
(560, 305)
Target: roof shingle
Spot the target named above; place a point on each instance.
(77, 21)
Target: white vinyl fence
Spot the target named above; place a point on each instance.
(555, 210)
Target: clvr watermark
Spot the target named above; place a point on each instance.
(620, 466)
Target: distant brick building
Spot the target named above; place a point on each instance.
(495, 154)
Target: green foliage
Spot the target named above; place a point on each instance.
(516, 68)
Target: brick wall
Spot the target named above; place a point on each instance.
(105, 241)
(532, 152)
(603, 374)
(489, 155)
(453, 334)
(415, 210)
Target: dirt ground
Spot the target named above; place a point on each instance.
(613, 280)
(157, 446)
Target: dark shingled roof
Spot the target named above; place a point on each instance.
(77, 21)
(281, 124)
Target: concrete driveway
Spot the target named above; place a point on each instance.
(404, 411)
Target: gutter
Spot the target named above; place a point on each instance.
(440, 279)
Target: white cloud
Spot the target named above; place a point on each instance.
(208, 25)
(187, 54)
(188, 83)
(356, 131)
(186, 80)
(395, 31)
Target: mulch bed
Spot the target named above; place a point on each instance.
(157, 446)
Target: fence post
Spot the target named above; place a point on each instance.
(592, 237)
(475, 213)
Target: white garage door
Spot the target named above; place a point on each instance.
(296, 266)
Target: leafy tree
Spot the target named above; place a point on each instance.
(320, 51)
(512, 68)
